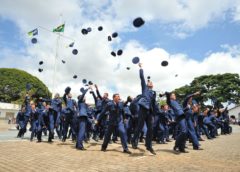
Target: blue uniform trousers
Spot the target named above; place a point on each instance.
(144, 116)
(82, 125)
(181, 137)
(192, 133)
(122, 133)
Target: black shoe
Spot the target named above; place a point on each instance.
(82, 149)
(39, 141)
(151, 150)
(161, 142)
(197, 148)
(127, 151)
(175, 148)
(63, 139)
(168, 140)
(104, 149)
(200, 139)
(183, 151)
(95, 139)
(134, 146)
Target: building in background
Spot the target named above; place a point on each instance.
(8, 110)
(235, 111)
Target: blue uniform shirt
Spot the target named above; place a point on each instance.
(116, 112)
(148, 96)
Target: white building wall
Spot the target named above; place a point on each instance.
(235, 111)
(8, 110)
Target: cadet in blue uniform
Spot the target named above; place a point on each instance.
(27, 113)
(54, 116)
(224, 121)
(208, 125)
(71, 108)
(190, 109)
(56, 106)
(104, 123)
(202, 123)
(196, 123)
(34, 115)
(128, 119)
(146, 111)
(98, 108)
(41, 123)
(162, 125)
(116, 118)
(20, 121)
(181, 122)
(82, 120)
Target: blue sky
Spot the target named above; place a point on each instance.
(196, 44)
(10, 36)
(190, 36)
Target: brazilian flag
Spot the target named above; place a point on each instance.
(59, 28)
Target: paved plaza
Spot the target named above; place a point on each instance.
(221, 154)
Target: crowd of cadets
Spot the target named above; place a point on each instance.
(134, 120)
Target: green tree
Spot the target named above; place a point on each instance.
(217, 88)
(13, 85)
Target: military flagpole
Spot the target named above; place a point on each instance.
(55, 62)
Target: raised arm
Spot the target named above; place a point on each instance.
(94, 97)
(83, 95)
(65, 98)
(98, 93)
(143, 82)
(168, 98)
(67, 91)
(188, 97)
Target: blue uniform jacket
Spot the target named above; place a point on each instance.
(27, 105)
(116, 113)
(148, 96)
(134, 107)
(127, 111)
(175, 106)
(82, 106)
(56, 104)
(206, 120)
(20, 120)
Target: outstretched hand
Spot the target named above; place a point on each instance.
(140, 65)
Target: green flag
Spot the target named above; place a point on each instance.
(59, 28)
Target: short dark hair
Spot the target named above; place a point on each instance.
(114, 95)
